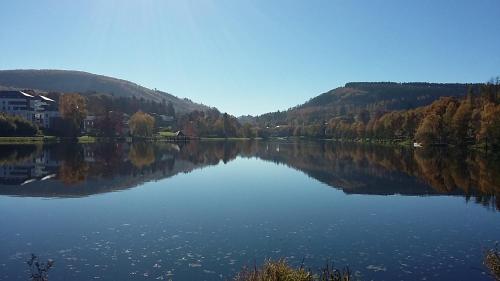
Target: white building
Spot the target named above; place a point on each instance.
(45, 111)
(17, 103)
(37, 109)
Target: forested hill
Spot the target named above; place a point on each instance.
(360, 96)
(85, 83)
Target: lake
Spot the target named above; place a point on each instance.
(203, 210)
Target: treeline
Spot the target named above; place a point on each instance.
(122, 116)
(212, 123)
(16, 126)
(459, 121)
(373, 97)
(472, 119)
(99, 104)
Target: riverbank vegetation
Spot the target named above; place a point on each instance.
(15, 126)
(281, 271)
(372, 112)
(471, 119)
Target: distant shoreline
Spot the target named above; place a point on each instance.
(91, 139)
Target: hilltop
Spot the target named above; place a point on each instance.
(355, 97)
(87, 83)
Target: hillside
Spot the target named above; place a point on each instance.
(370, 96)
(84, 83)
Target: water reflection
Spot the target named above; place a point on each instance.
(72, 170)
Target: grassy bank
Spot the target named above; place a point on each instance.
(86, 139)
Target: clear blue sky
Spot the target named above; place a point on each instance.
(249, 57)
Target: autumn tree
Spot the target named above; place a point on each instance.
(429, 131)
(141, 124)
(489, 132)
(73, 109)
(461, 122)
(448, 115)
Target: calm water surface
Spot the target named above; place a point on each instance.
(201, 211)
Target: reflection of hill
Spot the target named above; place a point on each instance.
(365, 169)
(353, 171)
(73, 170)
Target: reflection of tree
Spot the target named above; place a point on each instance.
(373, 169)
(141, 154)
(73, 169)
(354, 168)
(469, 172)
(12, 154)
(108, 158)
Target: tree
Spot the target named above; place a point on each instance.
(16, 126)
(170, 109)
(429, 130)
(111, 124)
(489, 132)
(461, 122)
(364, 116)
(246, 131)
(229, 126)
(141, 124)
(448, 115)
(73, 109)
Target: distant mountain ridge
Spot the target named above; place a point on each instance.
(355, 97)
(84, 82)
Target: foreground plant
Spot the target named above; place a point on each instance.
(492, 262)
(39, 271)
(281, 271)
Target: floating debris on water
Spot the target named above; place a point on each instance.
(376, 268)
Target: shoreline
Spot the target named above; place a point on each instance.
(92, 139)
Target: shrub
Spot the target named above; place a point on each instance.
(11, 126)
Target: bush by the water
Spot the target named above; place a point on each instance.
(16, 126)
(281, 271)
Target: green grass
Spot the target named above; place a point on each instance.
(86, 139)
(167, 134)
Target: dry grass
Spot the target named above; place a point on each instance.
(492, 262)
(281, 271)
